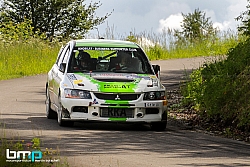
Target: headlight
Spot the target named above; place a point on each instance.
(78, 94)
(154, 96)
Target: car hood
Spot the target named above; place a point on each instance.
(113, 82)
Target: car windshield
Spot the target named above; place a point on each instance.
(114, 60)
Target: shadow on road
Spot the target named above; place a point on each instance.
(110, 138)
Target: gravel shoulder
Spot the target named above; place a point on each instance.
(186, 117)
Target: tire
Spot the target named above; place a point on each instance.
(50, 114)
(159, 126)
(60, 121)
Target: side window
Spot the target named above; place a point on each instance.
(63, 56)
(59, 54)
(144, 64)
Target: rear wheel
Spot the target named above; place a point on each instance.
(60, 121)
(50, 114)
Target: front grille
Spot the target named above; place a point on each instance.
(117, 112)
(117, 96)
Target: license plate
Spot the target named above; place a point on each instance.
(151, 104)
(117, 112)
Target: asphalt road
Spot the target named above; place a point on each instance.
(22, 114)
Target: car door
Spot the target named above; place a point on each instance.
(58, 74)
(50, 78)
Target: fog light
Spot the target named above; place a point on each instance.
(139, 114)
(94, 113)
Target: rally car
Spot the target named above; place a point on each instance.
(105, 80)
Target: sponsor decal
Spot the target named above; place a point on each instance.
(108, 49)
(71, 77)
(115, 75)
(135, 76)
(77, 81)
(111, 86)
(107, 86)
(155, 82)
(153, 76)
(95, 101)
(108, 75)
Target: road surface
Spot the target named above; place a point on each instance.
(22, 114)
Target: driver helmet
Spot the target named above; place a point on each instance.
(83, 59)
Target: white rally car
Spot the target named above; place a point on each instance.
(105, 80)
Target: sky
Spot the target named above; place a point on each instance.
(154, 15)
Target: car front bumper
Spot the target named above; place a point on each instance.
(120, 111)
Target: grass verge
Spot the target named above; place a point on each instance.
(24, 58)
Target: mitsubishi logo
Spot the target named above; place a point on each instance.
(117, 97)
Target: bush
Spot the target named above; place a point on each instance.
(220, 90)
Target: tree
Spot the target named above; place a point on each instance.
(66, 18)
(196, 26)
(18, 31)
(244, 28)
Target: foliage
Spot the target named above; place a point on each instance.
(131, 38)
(196, 27)
(218, 45)
(66, 18)
(220, 90)
(244, 17)
(10, 31)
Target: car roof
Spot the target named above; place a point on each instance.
(104, 43)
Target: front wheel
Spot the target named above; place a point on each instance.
(60, 121)
(50, 114)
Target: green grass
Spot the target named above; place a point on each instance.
(31, 57)
(209, 47)
(34, 56)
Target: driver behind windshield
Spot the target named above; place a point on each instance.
(125, 60)
(83, 61)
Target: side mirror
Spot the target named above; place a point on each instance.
(157, 70)
(62, 67)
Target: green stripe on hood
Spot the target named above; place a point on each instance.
(113, 87)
